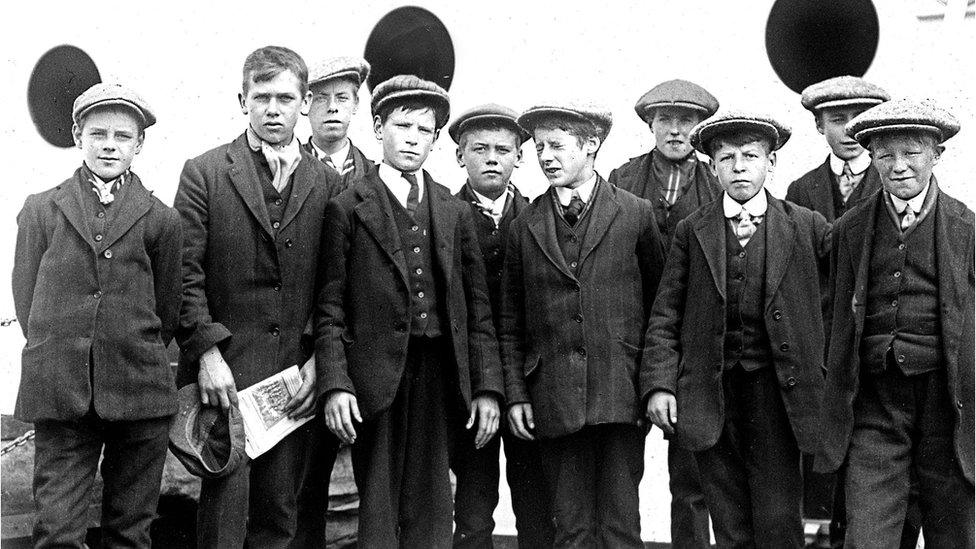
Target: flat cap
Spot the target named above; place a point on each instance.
(410, 87)
(737, 121)
(103, 94)
(208, 441)
(903, 115)
(842, 91)
(487, 113)
(353, 68)
(676, 93)
(600, 117)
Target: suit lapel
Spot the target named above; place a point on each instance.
(302, 182)
(862, 230)
(136, 204)
(780, 244)
(244, 175)
(821, 194)
(443, 221)
(952, 246)
(69, 201)
(376, 215)
(605, 208)
(543, 229)
(710, 231)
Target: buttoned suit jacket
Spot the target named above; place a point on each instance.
(363, 325)
(565, 336)
(853, 242)
(814, 190)
(248, 288)
(362, 166)
(687, 326)
(115, 300)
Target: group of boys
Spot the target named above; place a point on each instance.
(424, 324)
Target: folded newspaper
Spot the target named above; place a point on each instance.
(262, 407)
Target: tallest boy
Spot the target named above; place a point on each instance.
(252, 214)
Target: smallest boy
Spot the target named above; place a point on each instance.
(97, 289)
(736, 357)
(335, 84)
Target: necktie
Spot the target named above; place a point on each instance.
(283, 162)
(328, 162)
(572, 212)
(413, 197)
(847, 182)
(908, 218)
(106, 189)
(745, 226)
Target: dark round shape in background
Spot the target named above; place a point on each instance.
(59, 77)
(410, 40)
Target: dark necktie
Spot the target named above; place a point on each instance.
(572, 212)
(413, 197)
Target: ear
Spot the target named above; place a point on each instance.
(939, 149)
(306, 103)
(713, 167)
(460, 158)
(591, 145)
(518, 156)
(772, 160)
(378, 128)
(437, 133)
(139, 142)
(818, 119)
(76, 134)
(240, 99)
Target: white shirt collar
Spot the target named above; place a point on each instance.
(393, 179)
(338, 159)
(915, 202)
(497, 205)
(858, 164)
(565, 194)
(756, 205)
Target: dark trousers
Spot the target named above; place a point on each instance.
(313, 496)
(689, 513)
(255, 505)
(476, 496)
(903, 424)
(594, 475)
(65, 461)
(838, 524)
(401, 458)
(751, 476)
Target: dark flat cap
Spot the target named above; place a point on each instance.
(410, 87)
(601, 118)
(842, 91)
(352, 68)
(208, 441)
(676, 93)
(734, 121)
(489, 112)
(902, 115)
(102, 94)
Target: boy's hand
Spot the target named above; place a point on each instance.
(520, 420)
(341, 408)
(303, 403)
(662, 410)
(484, 409)
(216, 381)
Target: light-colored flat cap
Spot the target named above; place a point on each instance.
(103, 95)
(676, 93)
(352, 68)
(902, 115)
(600, 117)
(410, 87)
(842, 91)
(738, 121)
(489, 113)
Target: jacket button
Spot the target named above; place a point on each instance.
(108, 254)
(959, 404)
(777, 314)
(100, 215)
(582, 352)
(784, 347)
(277, 202)
(275, 225)
(288, 243)
(277, 287)
(97, 295)
(901, 358)
(579, 317)
(573, 265)
(98, 238)
(742, 254)
(275, 332)
(791, 382)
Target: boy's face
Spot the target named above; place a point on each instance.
(671, 127)
(489, 156)
(905, 162)
(109, 138)
(742, 169)
(564, 161)
(273, 106)
(333, 104)
(407, 136)
(831, 122)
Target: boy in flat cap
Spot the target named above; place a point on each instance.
(489, 143)
(844, 177)
(253, 213)
(736, 357)
(96, 286)
(581, 268)
(406, 350)
(899, 394)
(335, 84)
(677, 183)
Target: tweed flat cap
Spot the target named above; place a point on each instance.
(903, 115)
(735, 121)
(676, 93)
(353, 68)
(407, 87)
(489, 112)
(601, 118)
(208, 441)
(842, 91)
(102, 94)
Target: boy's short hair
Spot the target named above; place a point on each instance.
(488, 124)
(926, 138)
(140, 121)
(738, 139)
(579, 128)
(407, 104)
(266, 63)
